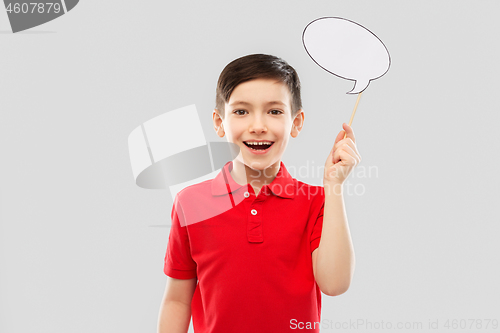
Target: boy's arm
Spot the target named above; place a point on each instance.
(175, 309)
(333, 260)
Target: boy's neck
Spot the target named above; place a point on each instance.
(243, 174)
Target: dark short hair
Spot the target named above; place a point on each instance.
(257, 66)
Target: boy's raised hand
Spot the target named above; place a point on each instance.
(343, 157)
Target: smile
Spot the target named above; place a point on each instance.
(258, 147)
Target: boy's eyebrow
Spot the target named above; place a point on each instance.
(268, 103)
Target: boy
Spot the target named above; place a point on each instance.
(261, 262)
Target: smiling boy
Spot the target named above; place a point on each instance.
(262, 263)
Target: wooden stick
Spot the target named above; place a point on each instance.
(354, 111)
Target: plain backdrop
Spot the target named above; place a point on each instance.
(82, 246)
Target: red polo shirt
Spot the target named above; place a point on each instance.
(251, 254)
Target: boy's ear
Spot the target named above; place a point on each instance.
(297, 124)
(217, 119)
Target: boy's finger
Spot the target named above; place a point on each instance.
(340, 136)
(349, 132)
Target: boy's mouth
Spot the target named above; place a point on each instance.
(258, 145)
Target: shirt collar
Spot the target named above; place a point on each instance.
(283, 184)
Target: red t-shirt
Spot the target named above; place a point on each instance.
(251, 254)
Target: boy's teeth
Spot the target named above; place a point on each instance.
(259, 143)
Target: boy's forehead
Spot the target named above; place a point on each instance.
(261, 91)
(265, 103)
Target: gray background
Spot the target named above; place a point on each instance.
(81, 250)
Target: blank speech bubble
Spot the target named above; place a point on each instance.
(347, 50)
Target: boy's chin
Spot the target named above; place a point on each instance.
(254, 165)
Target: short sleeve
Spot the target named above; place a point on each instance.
(317, 228)
(178, 262)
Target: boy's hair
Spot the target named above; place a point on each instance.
(256, 66)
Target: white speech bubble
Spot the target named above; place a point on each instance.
(347, 50)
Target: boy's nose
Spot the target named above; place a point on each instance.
(258, 125)
(258, 128)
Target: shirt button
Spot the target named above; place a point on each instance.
(246, 194)
(254, 212)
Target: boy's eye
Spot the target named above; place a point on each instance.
(242, 112)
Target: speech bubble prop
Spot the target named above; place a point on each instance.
(346, 49)
(24, 15)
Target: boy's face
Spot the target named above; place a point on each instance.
(259, 110)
